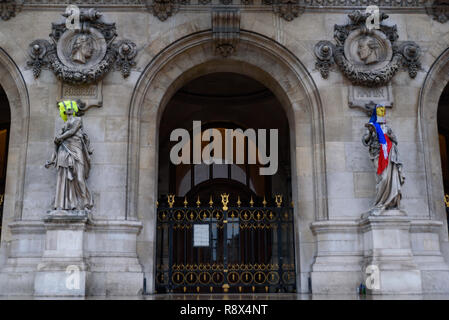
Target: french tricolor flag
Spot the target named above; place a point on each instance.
(385, 143)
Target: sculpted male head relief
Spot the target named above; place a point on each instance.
(368, 50)
(82, 49)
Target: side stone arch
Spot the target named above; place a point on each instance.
(436, 80)
(13, 84)
(267, 62)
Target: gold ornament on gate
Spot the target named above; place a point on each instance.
(171, 200)
(278, 199)
(225, 201)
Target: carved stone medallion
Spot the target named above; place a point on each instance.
(367, 57)
(83, 55)
(368, 50)
(81, 50)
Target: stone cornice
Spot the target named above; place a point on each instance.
(309, 5)
(164, 9)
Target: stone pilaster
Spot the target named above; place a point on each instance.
(23, 252)
(387, 249)
(339, 257)
(63, 270)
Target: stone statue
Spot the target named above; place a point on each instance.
(82, 49)
(368, 50)
(383, 151)
(72, 159)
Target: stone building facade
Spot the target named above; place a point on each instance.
(305, 55)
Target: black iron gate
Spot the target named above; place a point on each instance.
(210, 249)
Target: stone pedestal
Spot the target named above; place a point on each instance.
(63, 270)
(338, 261)
(426, 247)
(24, 252)
(387, 251)
(114, 267)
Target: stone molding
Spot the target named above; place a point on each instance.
(439, 10)
(163, 9)
(9, 8)
(434, 83)
(225, 31)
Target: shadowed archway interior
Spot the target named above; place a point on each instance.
(443, 136)
(246, 239)
(5, 123)
(223, 101)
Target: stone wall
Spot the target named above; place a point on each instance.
(333, 180)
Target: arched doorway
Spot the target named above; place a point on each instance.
(5, 123)
(249, 246)
(432, 112)
(443, 136)
(280, 71)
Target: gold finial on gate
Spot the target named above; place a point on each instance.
(446, 200)
(185, 202)
(264, 202)
(251, 202)
(171, 200)
(198, 202)
(278, 199)
(157, 204)
(238, 201)
(211, 202)
(225, 200)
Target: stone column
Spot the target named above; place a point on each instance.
(387, 248)
(63, 270)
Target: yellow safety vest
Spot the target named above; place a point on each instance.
(64, 105)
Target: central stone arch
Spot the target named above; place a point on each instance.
(436, 80)
(279, 70)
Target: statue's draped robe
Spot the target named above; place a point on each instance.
(389, 182)
(73, 163)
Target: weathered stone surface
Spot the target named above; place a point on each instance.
(332, 176)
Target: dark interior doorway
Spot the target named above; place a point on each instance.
(5, 123)
(249, 246)
(443, 135)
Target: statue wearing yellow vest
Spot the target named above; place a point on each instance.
(72, 159)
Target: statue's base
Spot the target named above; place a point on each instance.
(388, 254)
(382, 212)
(66, 216)
(63, 270)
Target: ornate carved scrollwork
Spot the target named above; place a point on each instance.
(324, 51)
(411, 53)
(164, 8)
(287, 9)
(126, 52)
(84, 55)
(38, 50)
(439, 10)
(9, 8)
(367, 57)
(225, 30)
